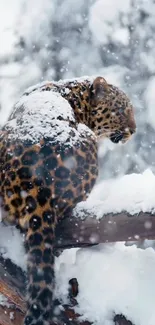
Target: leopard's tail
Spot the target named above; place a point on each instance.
(39, 245)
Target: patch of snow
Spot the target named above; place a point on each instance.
(3, 301)
(132, 193)
(12, 316)
(36, 116)
(113, 279)
(12, 245)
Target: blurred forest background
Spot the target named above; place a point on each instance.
(56, 39)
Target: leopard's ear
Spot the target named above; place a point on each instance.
(99, 88)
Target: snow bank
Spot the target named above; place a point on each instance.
(113, 279)
(132, 193)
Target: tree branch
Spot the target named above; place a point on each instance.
(75, 232)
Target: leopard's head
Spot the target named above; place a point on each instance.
(111, 113)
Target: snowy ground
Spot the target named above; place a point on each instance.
(113, 278)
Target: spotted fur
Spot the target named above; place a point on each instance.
(41, 181)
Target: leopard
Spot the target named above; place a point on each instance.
(49, 163)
